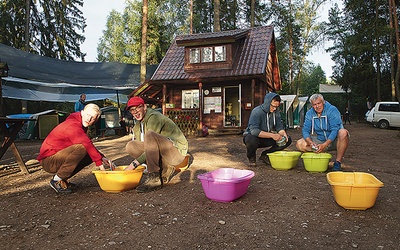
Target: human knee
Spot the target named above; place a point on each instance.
(343, 134)
(300, 144)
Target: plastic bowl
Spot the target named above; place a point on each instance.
(284, 160)
(225, 184)
(119, 180)
(356, 191)
(314, 162)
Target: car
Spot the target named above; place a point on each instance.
(369, 115)
(385, 115)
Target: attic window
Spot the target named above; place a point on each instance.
(208, 54)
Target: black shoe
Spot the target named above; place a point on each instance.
(167, 174)
(153, 182)
(265, 159)
(60, 186)
(252, 162)
(71, 185)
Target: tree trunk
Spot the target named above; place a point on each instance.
(144, 43)
(396, 30)
(291, 73)
(392, 59)
(191, 16)
(377, 51)
(27, 19)
(252, 13)
(217, 25)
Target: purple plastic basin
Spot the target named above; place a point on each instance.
(225, 184)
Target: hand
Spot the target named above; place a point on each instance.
(111, 165)
(102, 168)
(133, 165)
(105, 161)
(130, 167)
(276, 137)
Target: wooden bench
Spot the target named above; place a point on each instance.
(118, 131)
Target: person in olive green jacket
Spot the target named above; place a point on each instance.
(158, 142)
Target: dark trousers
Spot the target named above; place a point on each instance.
(253, 143)
(67, 162)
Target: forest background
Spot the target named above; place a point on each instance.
(362, 34)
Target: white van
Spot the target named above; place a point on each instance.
(385, 115)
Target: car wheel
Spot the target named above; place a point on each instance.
(383, 124)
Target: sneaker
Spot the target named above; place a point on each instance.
(337, 166)
(265, 159)
(153, 182)
(71, 185)
(60, 186)
(167, 174)
(252, 162)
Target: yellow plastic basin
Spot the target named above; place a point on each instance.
(119, 180)
(284, 160)
(314, 162)
(354, 190)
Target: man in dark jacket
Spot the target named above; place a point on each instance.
(265, 129)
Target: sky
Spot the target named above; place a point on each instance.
(96, 12)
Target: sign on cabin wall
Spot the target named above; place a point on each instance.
(212, 103)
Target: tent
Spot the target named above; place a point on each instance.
(290, 103)
(42, 124)
(300, 111)
(34, 77)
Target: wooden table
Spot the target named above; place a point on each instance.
(10, 134)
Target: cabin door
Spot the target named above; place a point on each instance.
(232, 115)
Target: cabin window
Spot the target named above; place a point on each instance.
(220, 53)
(208, 54)
(194, 55)
(190, 99)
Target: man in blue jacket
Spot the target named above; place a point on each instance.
(265, 129)
(323, 130)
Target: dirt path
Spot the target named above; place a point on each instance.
(282, 210)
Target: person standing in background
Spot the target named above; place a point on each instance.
(347, 116)
(80, 104)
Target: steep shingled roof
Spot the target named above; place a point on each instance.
(250, 59)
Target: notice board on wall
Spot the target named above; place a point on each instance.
(212, 103)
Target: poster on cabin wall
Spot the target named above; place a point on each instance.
(212, 103)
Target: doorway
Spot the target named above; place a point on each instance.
(232, 115)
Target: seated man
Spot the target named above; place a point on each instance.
(265, 129)
(158, 142)
(68, 149)
(323, 130)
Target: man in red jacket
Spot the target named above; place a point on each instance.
(68, 149)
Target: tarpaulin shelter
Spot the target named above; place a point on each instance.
(37, 78)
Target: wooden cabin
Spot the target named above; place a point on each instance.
(215, 79)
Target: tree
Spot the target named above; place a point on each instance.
(395, 26)
(112, 45)
(217, 25)
(360, 51)
(144, 43)
(312, 78)
(53, 31)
